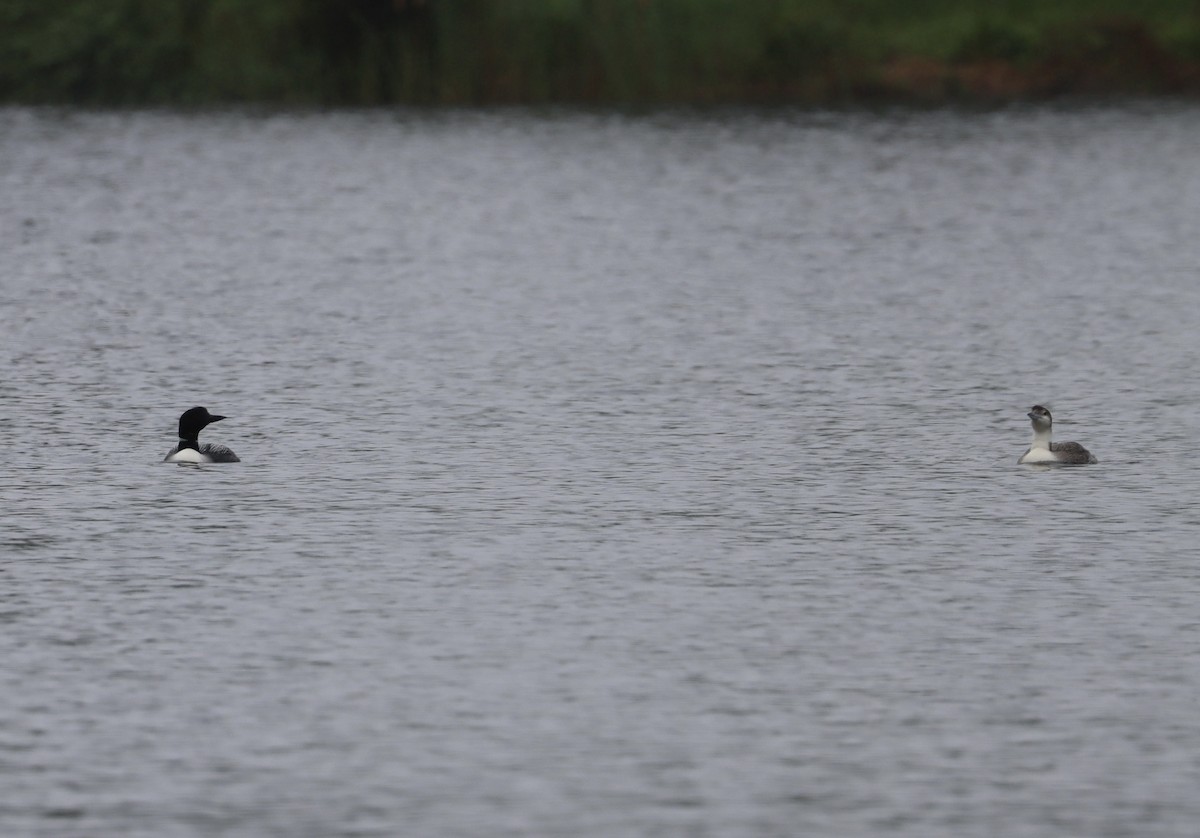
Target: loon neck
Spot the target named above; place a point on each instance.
(192, 443)
(1041, 438)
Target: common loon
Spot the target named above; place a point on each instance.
(191, 423)
(1044, 451)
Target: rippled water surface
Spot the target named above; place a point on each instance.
(602, 475)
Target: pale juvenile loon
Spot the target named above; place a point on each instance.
(191, 423)
(1042, 450)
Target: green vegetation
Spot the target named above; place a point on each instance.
(468, 52)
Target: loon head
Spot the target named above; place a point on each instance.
(193, 421)
(1040, 417)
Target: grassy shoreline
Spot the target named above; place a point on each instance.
(591, 52)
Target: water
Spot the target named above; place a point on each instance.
(602, 475)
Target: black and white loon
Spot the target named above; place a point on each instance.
(1044, 451)
(191, 423)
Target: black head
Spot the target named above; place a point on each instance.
(193, 421)
(1040, 416)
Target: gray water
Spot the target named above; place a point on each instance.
(638, 475)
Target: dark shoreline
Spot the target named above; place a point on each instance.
(365, 53)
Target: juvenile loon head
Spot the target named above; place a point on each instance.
(1041, 418)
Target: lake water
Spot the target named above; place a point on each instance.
(603, 475)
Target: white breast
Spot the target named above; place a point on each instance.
(1038, 455)
(189, 455)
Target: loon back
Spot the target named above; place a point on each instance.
(1069, 452)
(207, 453)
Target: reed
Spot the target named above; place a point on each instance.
(473, 52)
